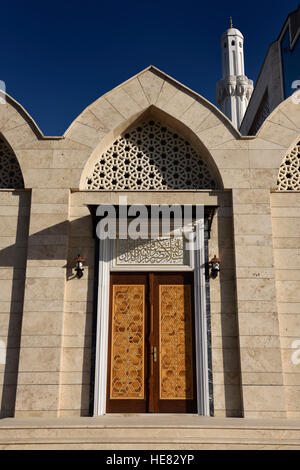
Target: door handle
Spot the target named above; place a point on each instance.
(154, 354)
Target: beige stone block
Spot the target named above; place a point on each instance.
(251, 196)
(285, 199)
(134, 89)
(70, 158)
(43, 306)
(253, 240)
(106, 113)
(286, 258)
(8, 226)
(249, 209)
(44, 289)
(293, 398)
(286, 308)
(209, 121)
(230, 158)
(76, 359)
(259, 342)
(263, 178)
(89, 119)
(230, 378)
(247, 256)
(11, 290)
(195, 115)
(85, 135)
(78, 341)
(74, 397)
(227, 397)
(279, 134)
(50, 196)
(226, 292)
(251, 224)
(35, 158)
(19, 136)
(42, 323)
(77, 324)
(178, 104)
(290, 323)
(152, 84)
(225, 360)
(215, 135)
(286, 212)
(284, 227)
(288, 291)
(49, 209)
(263, 398)
(41, 341)
(123, 103)
(267, 159)
(254, 323)
(241, 143)
(53, 178)
(224, 324)
(292, 378)
(37, 398)
(78, 307)
(49, 224)
(235, 178)
(256, 289)
(75, 378)
(14, 211)
(261, 360)
(255, 273)
(167, 92)
(38, 378)
(288, 274)
(39, 359)
(266, 378)
(283, 120)
(45, 272)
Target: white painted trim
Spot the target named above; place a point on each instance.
(201, 323)
(102, 327)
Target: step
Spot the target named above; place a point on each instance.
(149, 432)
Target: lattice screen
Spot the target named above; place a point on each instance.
(10, 172)
(289, 171)
(151, 156)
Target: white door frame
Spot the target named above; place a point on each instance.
(105, 256)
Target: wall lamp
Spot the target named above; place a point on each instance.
(79, 261)
(215, 266)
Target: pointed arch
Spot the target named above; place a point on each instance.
(10, 172)
(154, 152)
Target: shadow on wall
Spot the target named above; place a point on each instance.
(229, 324)
(62, 241)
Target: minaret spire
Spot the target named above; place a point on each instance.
(235, 89)
(230, 22)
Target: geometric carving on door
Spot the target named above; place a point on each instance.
(176, 350)
(127, 345)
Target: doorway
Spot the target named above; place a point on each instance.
(151, 344)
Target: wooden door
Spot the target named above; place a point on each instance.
(151, 366)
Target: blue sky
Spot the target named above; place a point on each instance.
(58, 57)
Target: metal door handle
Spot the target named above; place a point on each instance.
(154, 354)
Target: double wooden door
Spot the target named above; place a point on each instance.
(151, 350)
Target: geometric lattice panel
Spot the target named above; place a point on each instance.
(127, 344)
(10, 172)
(150, 156)
(176, 358)
(289, 171)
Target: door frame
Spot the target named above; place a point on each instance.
(106, 253)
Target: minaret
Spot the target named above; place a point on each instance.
(235, 89)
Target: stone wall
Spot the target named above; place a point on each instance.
(286, 242)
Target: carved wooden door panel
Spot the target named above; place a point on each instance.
(151, 344)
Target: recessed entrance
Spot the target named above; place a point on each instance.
(151, 347)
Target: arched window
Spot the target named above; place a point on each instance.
(151, 156)
(10, 171)
(289, 171)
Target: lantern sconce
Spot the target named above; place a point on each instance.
(79, 261)
(215, 266)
